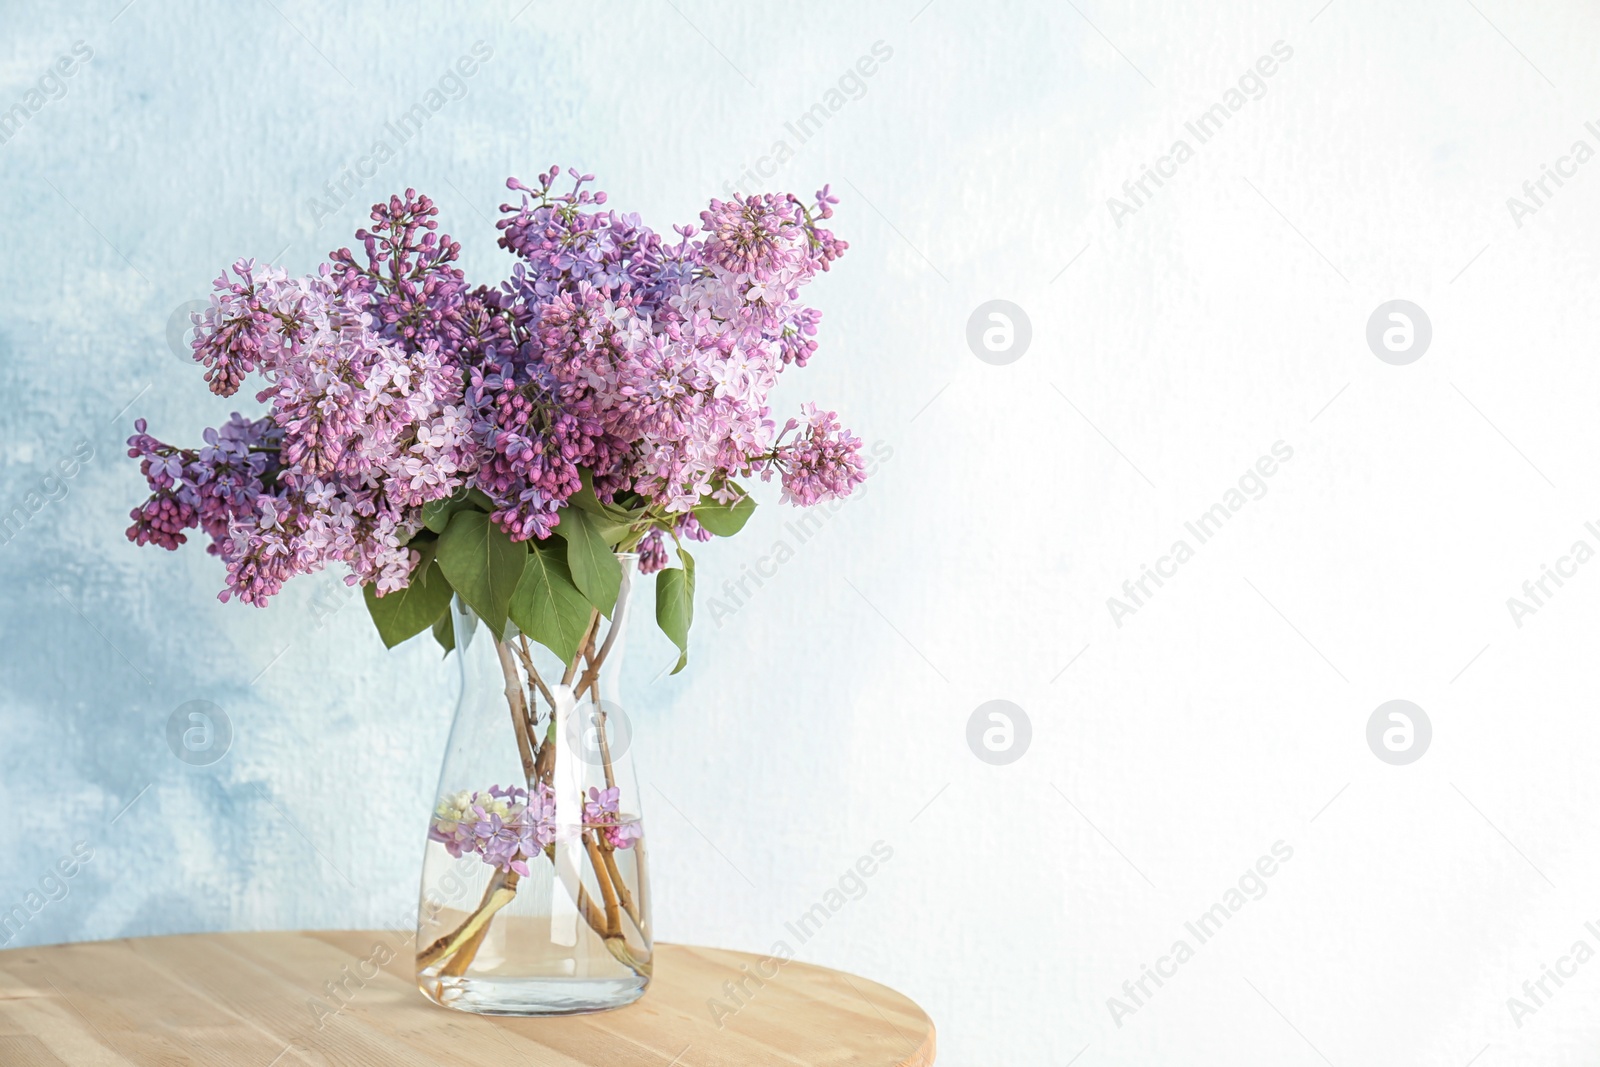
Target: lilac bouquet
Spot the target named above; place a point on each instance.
(503, 456)
(504, 443)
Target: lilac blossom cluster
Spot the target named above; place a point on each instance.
(639, 363)
(509, 826)
(601, 815)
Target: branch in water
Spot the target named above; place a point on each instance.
(502, 888)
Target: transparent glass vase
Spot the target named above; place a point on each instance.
(535, 888)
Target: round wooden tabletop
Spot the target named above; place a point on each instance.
(348, 997)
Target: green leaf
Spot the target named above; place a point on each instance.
(444, 632)
(586, 499)
(404, 613)
(616, 521)
(483, 564)
(547, 605)
(436, 513)
(590, 557)
(725, 520)
(613, 521)
(675, 605)
(614, 533)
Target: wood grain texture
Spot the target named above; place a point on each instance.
(348, 997)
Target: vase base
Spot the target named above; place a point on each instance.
(532, 996)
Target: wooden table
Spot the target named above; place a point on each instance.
(278, 999)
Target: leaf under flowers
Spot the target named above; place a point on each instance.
(483, 564)
(725, 520)
(405, 613)
(444, 631)
(436, 513)
(675, 605)
(547, 605)
(591, 559)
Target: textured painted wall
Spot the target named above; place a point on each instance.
(1178, 735)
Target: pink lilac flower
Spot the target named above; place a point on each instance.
(759, 235)
(417, 297)
(822, 463)
(600, 813)
(240, 328)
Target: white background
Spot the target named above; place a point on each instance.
(830, 712)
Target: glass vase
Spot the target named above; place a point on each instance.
(535, 889)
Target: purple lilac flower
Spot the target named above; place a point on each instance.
(645, 361)
(208, 488)
(652, 553)
(506, 827)
(689, 526)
